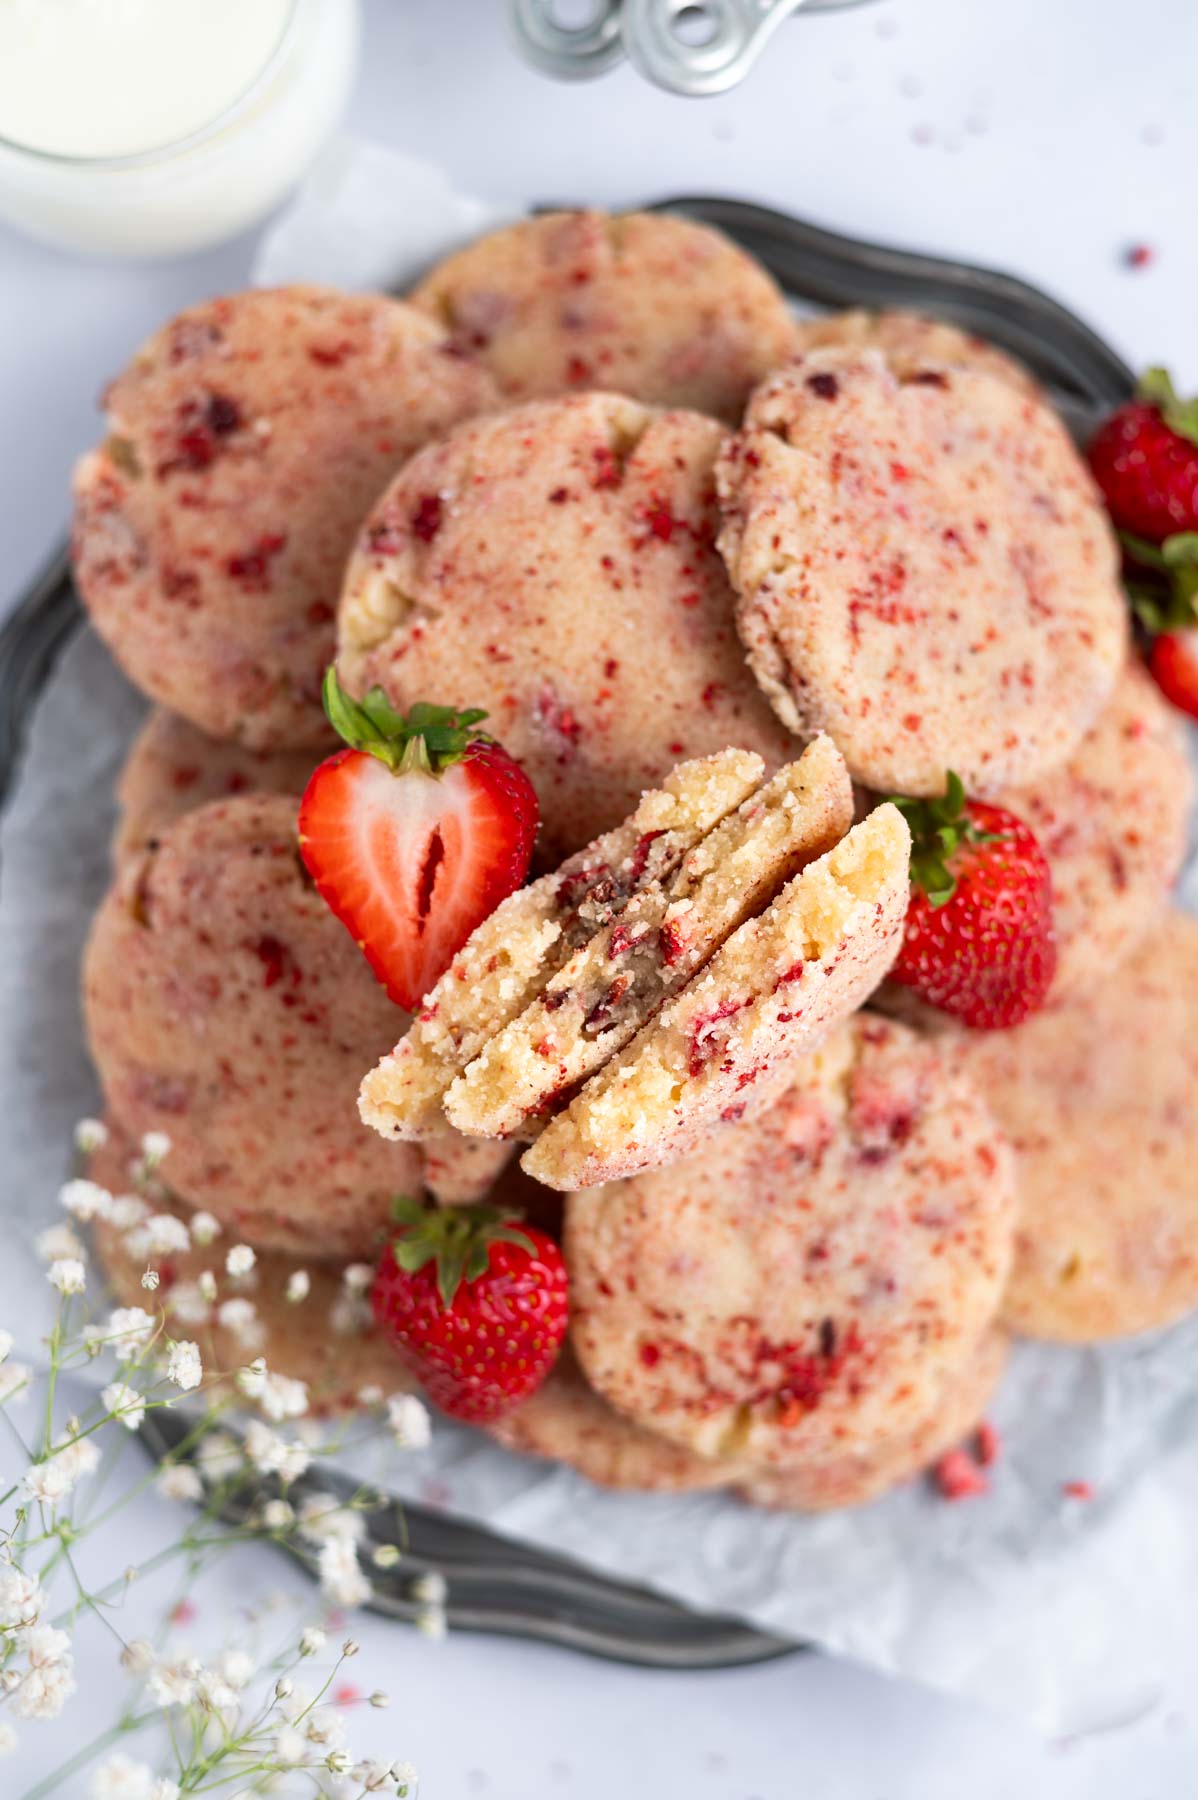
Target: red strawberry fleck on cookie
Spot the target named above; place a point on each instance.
(474, 1301)
(979, 941)
(414, 834)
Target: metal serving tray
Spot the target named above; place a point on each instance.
(495, 1584)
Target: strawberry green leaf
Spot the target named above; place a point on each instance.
(427, 739)
(1166, 600)
(940, 826)
(1156, 387)
(457, 1238)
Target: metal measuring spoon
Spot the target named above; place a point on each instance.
(685, 46)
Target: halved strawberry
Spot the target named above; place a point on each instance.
(414, 834)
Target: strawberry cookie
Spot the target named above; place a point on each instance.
(855, 1478)
(245, 442)
(172, 768)
(1112, 825)
(1099, 1096)
(566, 1421)
(622, 975)
(922, 569)
(911, 341)
(808, 1285)
(556, 566)
(310, 1321)
(660, 308)
(226, 1006)
(510, 957)
(720, 1049)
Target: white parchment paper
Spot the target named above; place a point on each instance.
(1068, 1612)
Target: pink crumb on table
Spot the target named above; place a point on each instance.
(1139, 256)
(958, 1476)
(989, 1444)
(1078, 1490)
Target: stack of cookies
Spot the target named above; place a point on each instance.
(723, 583)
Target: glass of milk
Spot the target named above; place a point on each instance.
(151, 127)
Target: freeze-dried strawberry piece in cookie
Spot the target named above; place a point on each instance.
(1099, 1097)
(923, 570)
(856, 1478)
(913, 343)
(1112, 826)
(807, 1285)
(247, 439)
(616, 981)
(173, 767)
(661, 308)
(414, 834)
(556, 565)
(226, 1005)
(309, 1320)
(719, 1050)
(512, 954)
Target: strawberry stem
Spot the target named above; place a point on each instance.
(939, 828)
(1167, 599)
(426, 739)
(457, 1238)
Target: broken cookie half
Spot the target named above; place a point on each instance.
(651, 990)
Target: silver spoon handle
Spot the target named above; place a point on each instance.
(573, 52)
(737, 33)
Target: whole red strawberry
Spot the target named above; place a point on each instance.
(1145, 460)
(475, 1304)
(414, 834)
(979, 940)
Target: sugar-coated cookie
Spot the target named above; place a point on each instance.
(246, 441)
(806, 1285)
(660, 308)
(912, 341)
(556, 565)
(1099, 1097)
(621, 976)
(923, 570)
(854, 1479)
(721, 1048)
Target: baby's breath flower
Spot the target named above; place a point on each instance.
(312, 1641)
(138, 1657)
(274, 1455)
(58, 1243)
(323, 1517)
(120, 1777)
(174, 1684)
(357, 1277)
(278, 1515)
(432, 1623)
(8, 1738)
(126, 1213)
(278, 1396)
(206, 1282)
(183, 1365)
(219, 1457)
(370, 1395)
(15, 1378)
(405, 1776)
(5, 1345)
(236, 1667)
(240, 1316)
(166, 1235)
(155, 1145)
(67, 1274)
(90, 1134)
(215, 1693)
(283, 1688)
(188, 1304)
(374, 1776)
(240, 1261)
(409, 1420)
(150, 1280)
(9, 1680)
(385, 1556)
(52, 1480)
(349, 1314)
(290, 1749)
(299, 1286)
(125, 1404)
(341, 1577)
(127, 1330)
(431, 1588)
(350, 1647)
(379, 1700)
(51, 1680)
(86, 1200)
(164, 1789)
(21, 1597)
(339, 1762)
(179, 1481)
(205, 1226)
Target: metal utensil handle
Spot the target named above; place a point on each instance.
(739, 31)
(574, 52)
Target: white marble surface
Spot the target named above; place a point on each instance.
(1042, 138)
